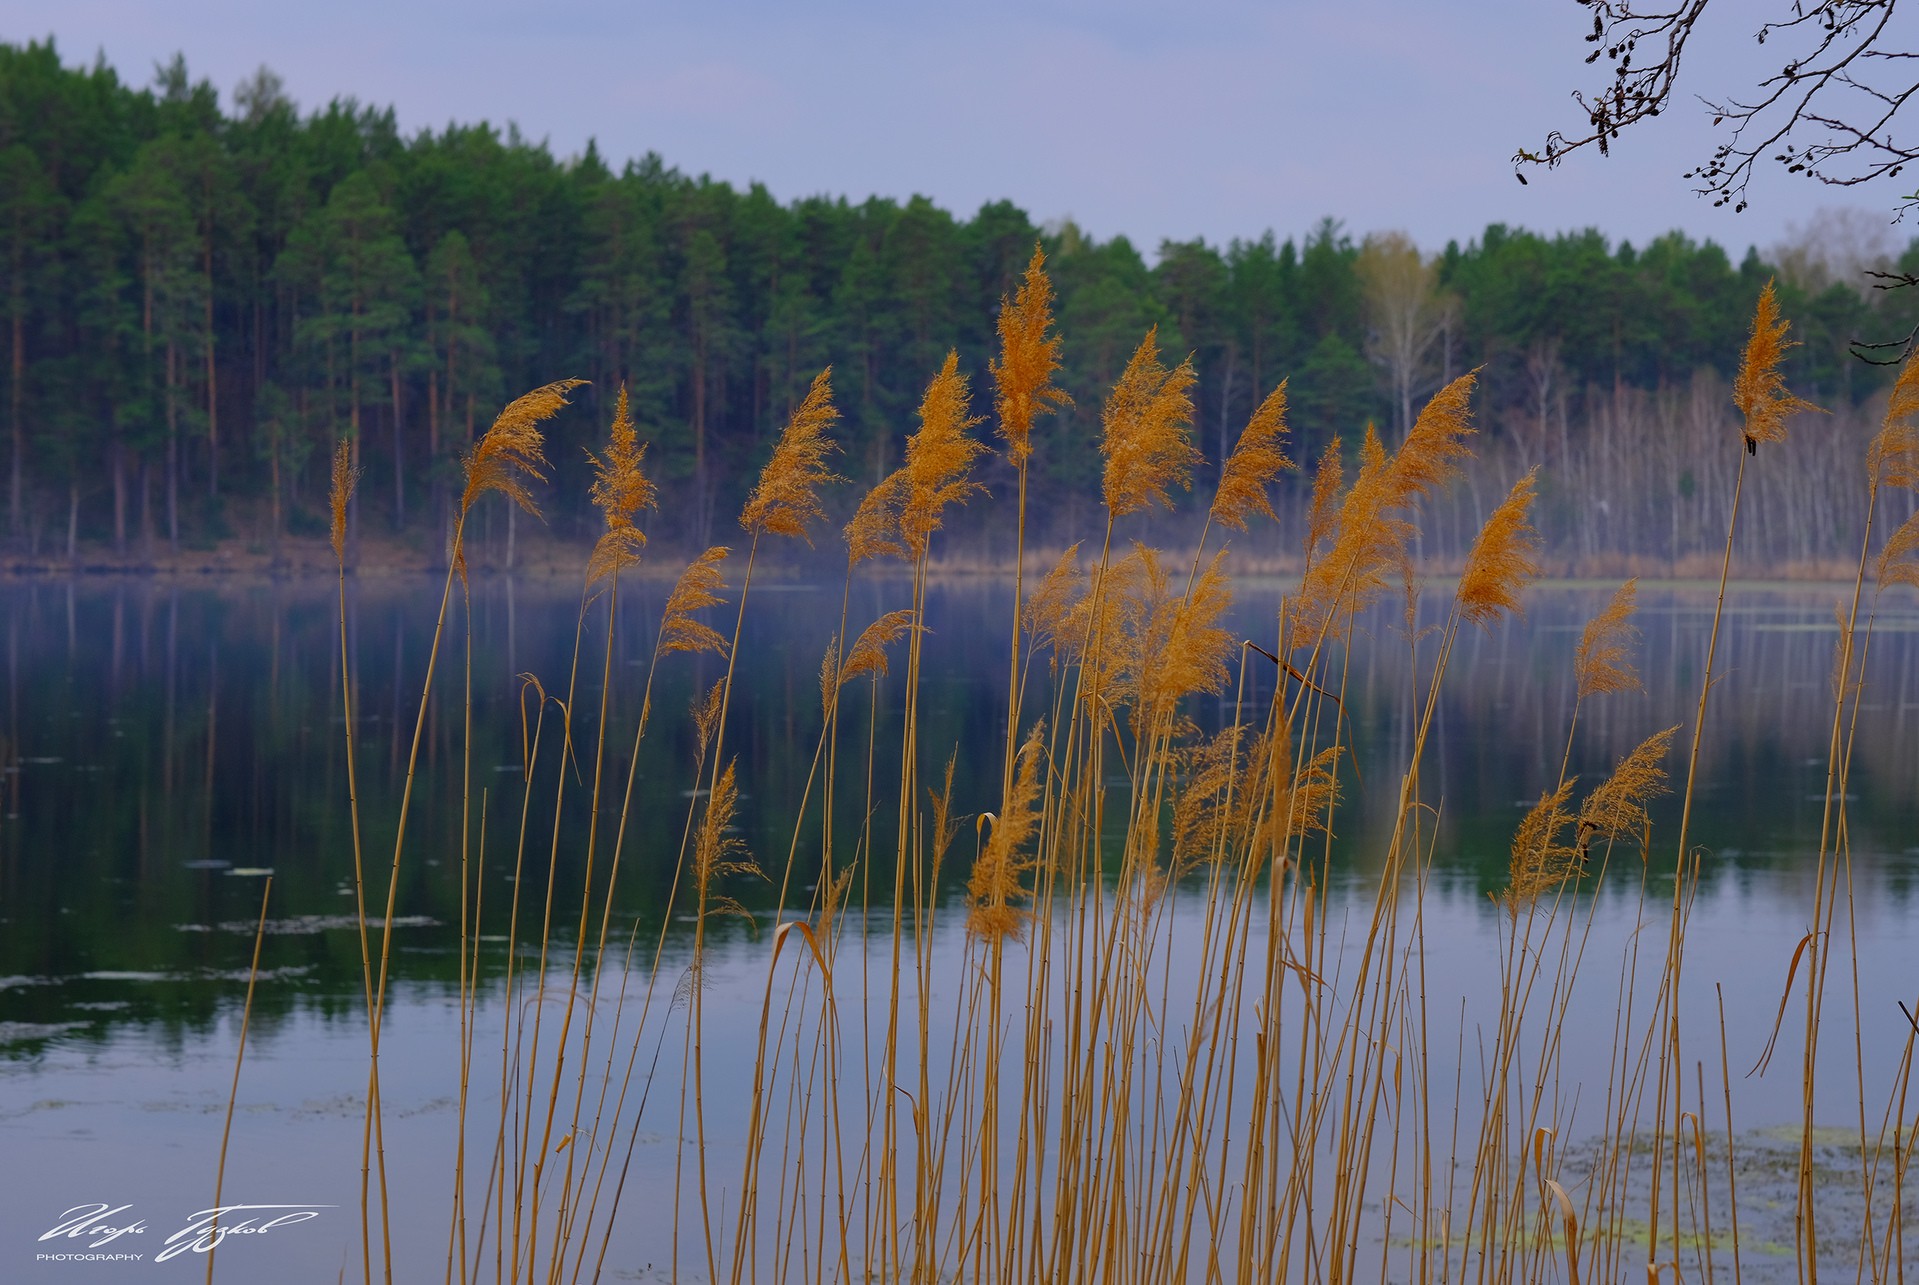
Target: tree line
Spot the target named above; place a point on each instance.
(198, 297)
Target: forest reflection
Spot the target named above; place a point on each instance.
(161, 740)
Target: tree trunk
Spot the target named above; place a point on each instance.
(213, 386)
(273, 483)
(173, 452)
(119, 454)
(399, 454)
(146, 507)
(702, 504)
(16, 484)
(353, 412)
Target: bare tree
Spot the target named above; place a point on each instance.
(1403, 311)
(1829, 112)
(1836, 246)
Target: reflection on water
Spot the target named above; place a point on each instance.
(163, 747)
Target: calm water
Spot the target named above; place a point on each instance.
(165, 746)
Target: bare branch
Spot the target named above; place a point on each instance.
(1824, 114)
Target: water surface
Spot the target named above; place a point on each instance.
(166, 745)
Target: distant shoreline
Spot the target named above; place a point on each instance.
(304, 558)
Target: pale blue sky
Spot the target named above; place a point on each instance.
(1211, 118)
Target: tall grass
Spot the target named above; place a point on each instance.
(1161, 1055)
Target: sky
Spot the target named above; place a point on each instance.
(1209, 118)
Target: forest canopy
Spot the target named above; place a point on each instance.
(198, 296)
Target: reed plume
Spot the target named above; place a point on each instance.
(1369, 543)
(1759, 391)
(706, 715)
(1322, 516)
(1178, 646)
(1256, 461)
(620, 490)
(1430, 455)
(1370, 538)
(1504, 557)
(1618, 805)
(786, 497)
(1049, 609)
(874, 531)
(1113, 594)
(1893, 457)
(1301, 805)
(1541, 860)
(1200, 811)
(1899, 560)
(1147, 423)
(345, 478)
(1601, 663)
(511, 452)
(995, 882)
(719, 853)
(1022, 376)
(868, 653)
(939, 457)
(1241, 793)
(697, 589)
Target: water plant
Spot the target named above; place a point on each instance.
(1159, 1059)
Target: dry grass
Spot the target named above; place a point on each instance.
(1102, 1086)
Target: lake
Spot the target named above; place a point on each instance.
(167, 745)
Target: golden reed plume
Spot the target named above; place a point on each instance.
(1504, 557)
(1430, 455)
(1541, 860)
(719, 854)
(868, 653)
(1893, 458)
(697, 589)
(1600, 662)
(1618, 806)
(939, 457)
(1760, 389)
(1050, 606)
(1208, 770)
(995, 882)
(1147, 423)
(706, 716)
(1112, 595)
(1022, 376)
(512, 451)
(1366, 541)
(1181, 647)
(874, 531)
(1322, 515)
(1370, 539)
(620, 490)
(1899, 560)
(345, 478)
(1256, 461)
(786, 497)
